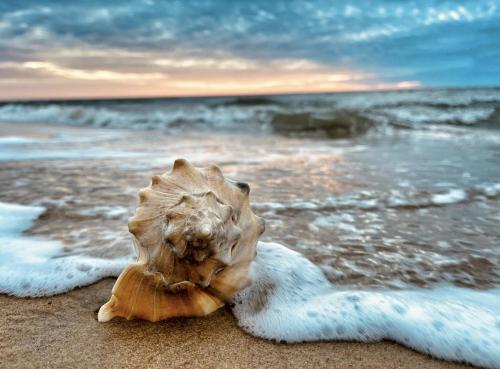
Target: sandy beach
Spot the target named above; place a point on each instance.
(62, 331)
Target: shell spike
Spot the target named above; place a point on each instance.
(215, 173)
(155, 180)
(205, 231)
(211, 196)
(181, 165)
(244, 187)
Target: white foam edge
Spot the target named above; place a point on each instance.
(34, 266)
(452, 196)
(16, 140)
(47, 153)
(290, 299)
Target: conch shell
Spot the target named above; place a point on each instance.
(195, 236)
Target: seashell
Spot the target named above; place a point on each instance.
(195, 236)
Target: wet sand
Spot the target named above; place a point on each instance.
(62, 331)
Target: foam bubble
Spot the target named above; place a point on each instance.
(15, 140)
(491, 190)
(110, 212)
(32, 266)
(291, 300)
(18, 152)
(451, 197)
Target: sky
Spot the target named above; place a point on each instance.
(85, 49)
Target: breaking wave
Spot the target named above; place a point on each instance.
(330, 115)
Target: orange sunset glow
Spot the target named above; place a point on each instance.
(189, 77)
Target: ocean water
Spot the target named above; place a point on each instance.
(331, 115)
(391, 198)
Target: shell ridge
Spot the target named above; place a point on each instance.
(134, 299)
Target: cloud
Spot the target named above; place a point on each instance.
(207, 63)
(198, 42)
(91, 75)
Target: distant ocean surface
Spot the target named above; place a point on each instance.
(330, 115)
(393, 196)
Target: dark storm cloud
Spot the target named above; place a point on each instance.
(435, 42)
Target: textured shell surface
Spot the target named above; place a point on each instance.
(195, 236)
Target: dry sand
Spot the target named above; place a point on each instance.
(62, 332)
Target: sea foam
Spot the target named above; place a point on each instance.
(33, 266)
(291, 300)
(9, 140)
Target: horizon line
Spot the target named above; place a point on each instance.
(249, 95)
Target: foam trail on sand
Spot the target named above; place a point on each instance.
(291, 300)
(31, 266)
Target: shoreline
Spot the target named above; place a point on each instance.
(62, 330)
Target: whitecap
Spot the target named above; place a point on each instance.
(16, 140)
(452, 196)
